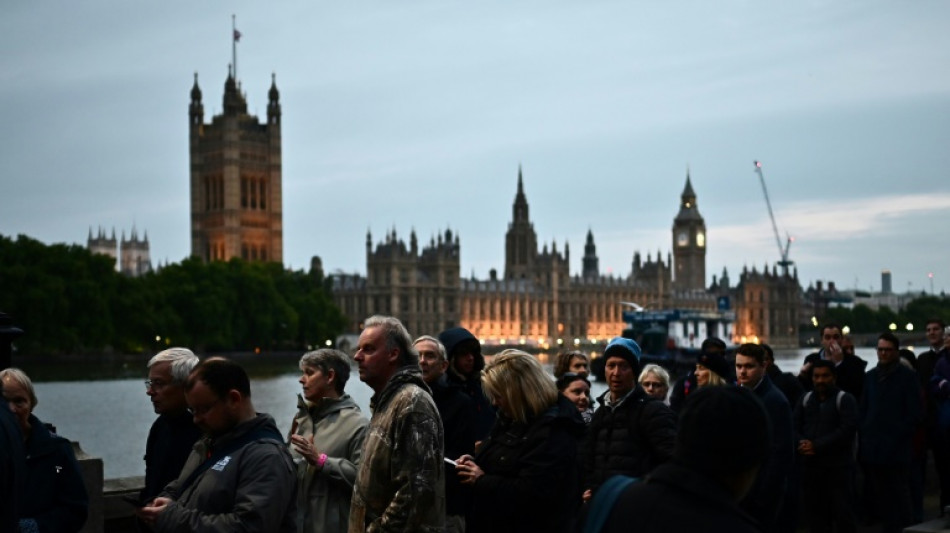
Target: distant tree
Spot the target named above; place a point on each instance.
(68, 300)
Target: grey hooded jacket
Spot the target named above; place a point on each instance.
(252, 489)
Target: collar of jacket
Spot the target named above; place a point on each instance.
(406, 375)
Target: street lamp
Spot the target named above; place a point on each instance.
(910, 327)
(892, 327)
(846, 330)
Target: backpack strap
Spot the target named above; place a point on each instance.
(604, 502)
(805, 398)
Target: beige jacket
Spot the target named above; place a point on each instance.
(323, 496)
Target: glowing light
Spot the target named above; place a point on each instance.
(892, 327)
(846, 330)
(329, 343)
(909, 327)
(560, 342)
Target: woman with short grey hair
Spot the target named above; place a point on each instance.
(326, 439)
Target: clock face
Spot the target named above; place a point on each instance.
(700, 239)
(682, 238)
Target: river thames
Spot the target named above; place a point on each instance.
(111, 418)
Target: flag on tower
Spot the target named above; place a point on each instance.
(237, 35)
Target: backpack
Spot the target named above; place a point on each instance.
(838, 397)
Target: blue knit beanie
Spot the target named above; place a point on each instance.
(625, 348)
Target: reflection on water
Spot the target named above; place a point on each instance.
(111, 418)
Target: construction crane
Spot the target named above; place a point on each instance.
(785, 262)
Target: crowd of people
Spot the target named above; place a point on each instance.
(456, 441)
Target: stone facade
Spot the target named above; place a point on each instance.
(236, 179)
(538, 302)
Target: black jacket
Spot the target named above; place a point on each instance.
(531, 480)
(168, 446)
(890, 410)
(630, 439)
(681, 390)
(677, 499)
(849, 374)
(471, 385)
(830, 428)
(458, 421)
(787, 383)
(55, 494)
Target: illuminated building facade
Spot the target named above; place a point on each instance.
(538, 302)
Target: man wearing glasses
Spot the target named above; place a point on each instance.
(890, 410)
(174, 432)
(240, 475)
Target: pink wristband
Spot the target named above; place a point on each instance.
(321, 460)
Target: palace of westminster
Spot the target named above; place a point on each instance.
(236, 211)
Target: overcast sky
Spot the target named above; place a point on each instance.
(417, 115)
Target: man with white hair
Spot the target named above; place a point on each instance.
(173, 433)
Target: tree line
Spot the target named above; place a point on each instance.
(863, 319)
(70, 301)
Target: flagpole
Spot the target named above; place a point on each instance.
(234, 46)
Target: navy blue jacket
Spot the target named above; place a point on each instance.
(55, 494)
(765, 499)
(891, 408)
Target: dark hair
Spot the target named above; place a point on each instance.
(562, 364)
(327, 359)
(768, 351)
(891, 338)
(713, 342)
(567, 378)
(909, 356)
(935, 320)
(752, 350)
(825, 363)
(221, 376)
(830, 325)
(723, 431)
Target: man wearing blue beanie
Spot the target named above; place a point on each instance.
(630, 432)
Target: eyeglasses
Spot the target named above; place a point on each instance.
(204, 409)
(156, 384)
